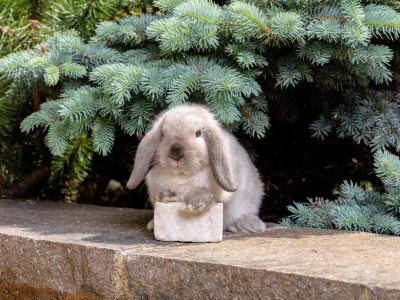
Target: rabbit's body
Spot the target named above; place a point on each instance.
(197, 162)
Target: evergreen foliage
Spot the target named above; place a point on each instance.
(72, 168)
(356, 207)
(24, 23)
(17, 31)
(372, 118)
(79, 15)
(199, 51)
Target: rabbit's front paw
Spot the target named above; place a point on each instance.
(198, 202)
(167, 196)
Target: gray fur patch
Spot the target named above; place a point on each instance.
(144, 156)
(219, 159)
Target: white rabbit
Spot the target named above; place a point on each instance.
(188, 157)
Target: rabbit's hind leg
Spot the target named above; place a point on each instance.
(248, 223)
(150, 225)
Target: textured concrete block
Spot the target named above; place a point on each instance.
(52, 250)
(173, 223)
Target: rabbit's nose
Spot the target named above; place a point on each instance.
(176, 151)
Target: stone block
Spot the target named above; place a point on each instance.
(173, 223)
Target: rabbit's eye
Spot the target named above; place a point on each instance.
(198, 133)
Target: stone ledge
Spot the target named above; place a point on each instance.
(86, 252)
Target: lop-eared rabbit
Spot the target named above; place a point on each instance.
(187, 156)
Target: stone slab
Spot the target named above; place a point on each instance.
(106, 253)
(173, 223)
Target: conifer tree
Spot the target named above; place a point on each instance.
(24, 163)
(199, 51)
(18, 30)
(357, 208)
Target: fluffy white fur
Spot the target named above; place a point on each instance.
(214, 167)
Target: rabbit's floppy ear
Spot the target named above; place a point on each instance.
(219, 159)
(145, 154)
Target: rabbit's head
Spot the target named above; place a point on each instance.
(183, 141)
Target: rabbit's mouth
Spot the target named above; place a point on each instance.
(175, 164)
(185, 167)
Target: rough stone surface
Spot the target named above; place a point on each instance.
(173, 223)
(68, 251)
(26, 292)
